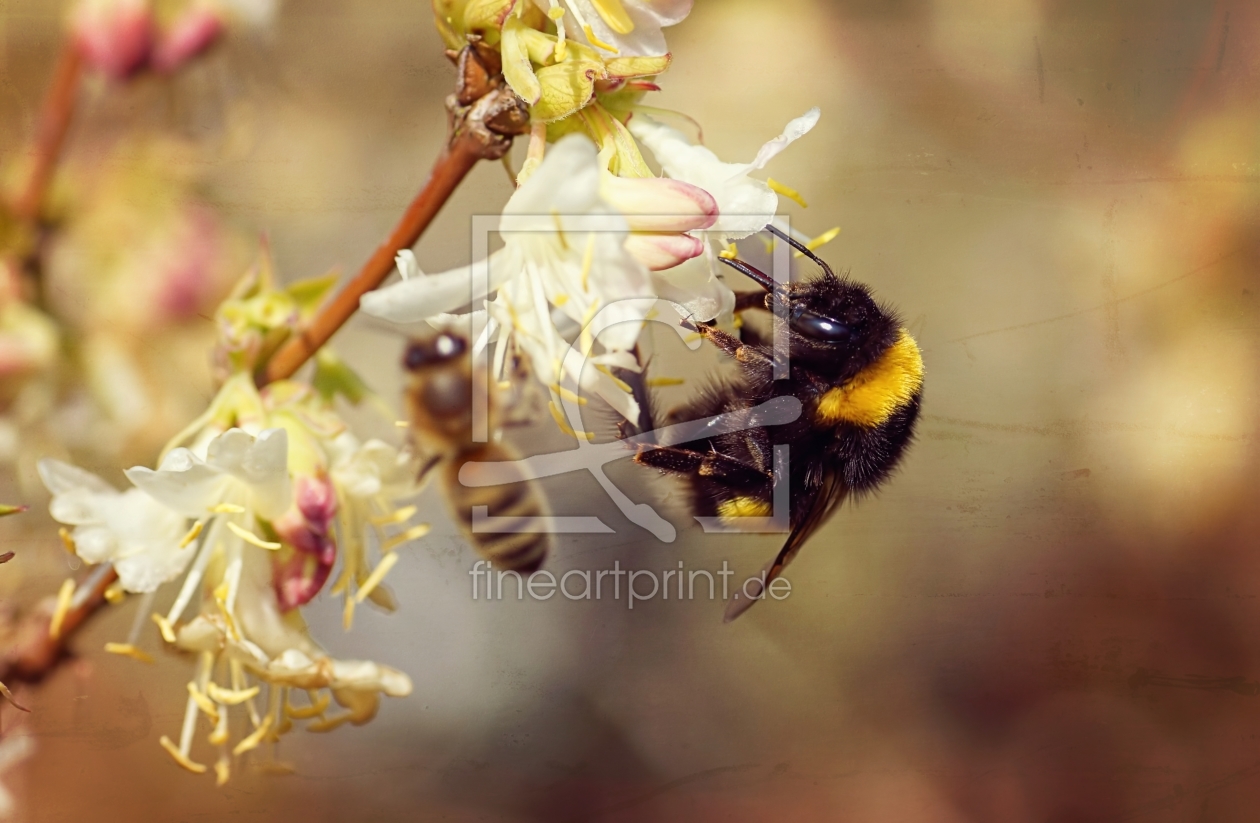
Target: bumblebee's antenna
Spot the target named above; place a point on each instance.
(799, 246)
(752, 272)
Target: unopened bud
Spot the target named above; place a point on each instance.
(115, 37)
(659, 204)
(192, 33)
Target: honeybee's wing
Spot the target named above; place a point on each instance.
(830, 494)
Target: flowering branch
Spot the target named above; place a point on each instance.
(54, 122)
(484, 117)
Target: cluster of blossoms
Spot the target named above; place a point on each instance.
(590, 229)
(252, 505)
(133, 258)
(122, 38)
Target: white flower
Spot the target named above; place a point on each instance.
(626, 28)
(564, 248)
(238, 470)
(139, 535)
(746, 205)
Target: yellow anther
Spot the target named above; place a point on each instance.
(318, 706)
(821, 240)
(230, 697)
(219, 736)
(227, 508)
(192, 534)
(560, 299)
(204, 703)
(414, 533)
(128, 650)
(63, 606)
(115, 593)
(555, 216)
(402, 424)
(558, 416)
(251, 538)
(222, 771)
(180, 757)
(787, 191)
(67, 540)
(254, 738)
(377, 575)
(595, 41)
(329, 724)
(398, 516)
(621, 384)
(730, 252)
(555, 13)
(614, 14)
(568, 394)
(165, 627)
(588, 258)
(347, 614)
(658, 382)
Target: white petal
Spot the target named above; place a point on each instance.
(693, 285)
(424, 296)
(567, 183)
(61, 477)
(94, 543)
(746, 205)
(184, 483)
(793, 131)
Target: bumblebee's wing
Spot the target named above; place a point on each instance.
(831, 492)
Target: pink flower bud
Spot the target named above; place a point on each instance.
(115, 37)
(192, 33)
(311, 550)
(663, 251)
(660, 204)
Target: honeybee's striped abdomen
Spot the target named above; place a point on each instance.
(510, 532)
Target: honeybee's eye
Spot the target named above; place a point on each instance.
(415, 357)
(449, 345)
(819, 327)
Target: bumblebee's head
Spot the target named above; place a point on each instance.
(836, 328)
(835, 325)
(437, 350)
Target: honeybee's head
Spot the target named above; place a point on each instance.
(438, 350)
(835, 326)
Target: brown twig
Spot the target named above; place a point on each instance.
(54, 123)
(484, 117)
(456, 161)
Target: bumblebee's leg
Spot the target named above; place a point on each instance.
(719, 467)
(731, 345)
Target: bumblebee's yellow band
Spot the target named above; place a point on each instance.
(879, 390)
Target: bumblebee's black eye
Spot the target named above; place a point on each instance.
(818, 327)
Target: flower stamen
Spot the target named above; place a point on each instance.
(821, 240)
(230, 697)
(165, 627)
(64, 595)
(786, 191)
(378, 574)
(251, 538)
(255, 737)
(319, 705)
(67, 540)
(192, 535)
(181, 758)
(414, 533)
(128, 650)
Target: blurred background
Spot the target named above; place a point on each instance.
(1049, 615)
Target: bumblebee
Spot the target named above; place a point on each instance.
(439, 399)
(859, 377)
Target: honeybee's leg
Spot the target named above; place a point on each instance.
(719, 467)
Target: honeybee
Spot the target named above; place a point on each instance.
(859, 376)
(439, 394)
